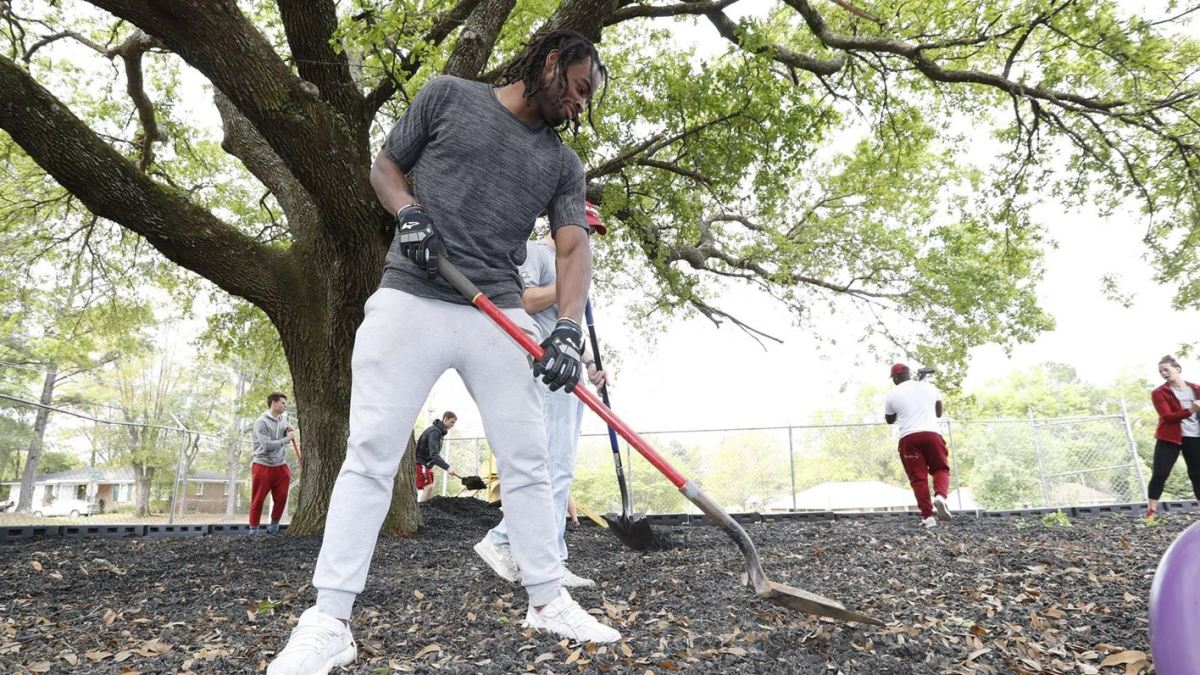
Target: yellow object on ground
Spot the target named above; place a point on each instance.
(493, 491)
(591, 515)
(493, 494)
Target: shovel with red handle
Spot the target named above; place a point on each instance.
(780, 594)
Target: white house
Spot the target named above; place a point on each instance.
(205, 491)
(114, 486)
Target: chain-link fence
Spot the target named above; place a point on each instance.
(188, 476)
(995, 465)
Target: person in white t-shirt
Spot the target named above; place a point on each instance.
(917, 407)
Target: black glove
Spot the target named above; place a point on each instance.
(419, 239)
(559, 365)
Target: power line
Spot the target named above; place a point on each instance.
(98, 379)
(97, 420)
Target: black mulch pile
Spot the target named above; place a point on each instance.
(991, 595)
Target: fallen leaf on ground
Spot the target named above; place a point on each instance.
(1130, 656)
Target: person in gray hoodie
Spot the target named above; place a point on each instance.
(269, 472)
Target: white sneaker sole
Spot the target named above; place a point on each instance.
(484, 554)
(943, 511)
(340, 660)
(580, 583)
(345, 658)
(539, 629)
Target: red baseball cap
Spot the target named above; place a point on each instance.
(898, 368)
(593, 217)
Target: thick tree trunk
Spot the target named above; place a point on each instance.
(35, 443)
(404, 517)
(323, 401)
(318, 353)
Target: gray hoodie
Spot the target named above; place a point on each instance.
(270, 438)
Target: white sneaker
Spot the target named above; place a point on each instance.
(500, 559)
(572, 580)
(929, 522)
(565, 618)
(319, 643)
(943, 509)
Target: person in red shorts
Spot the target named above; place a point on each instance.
(429, 454)
(917, 407)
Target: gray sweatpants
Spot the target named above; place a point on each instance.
(403, 345)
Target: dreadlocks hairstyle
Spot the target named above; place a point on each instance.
(572, 48)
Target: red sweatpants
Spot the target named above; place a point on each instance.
(924, 453)
(264, 479)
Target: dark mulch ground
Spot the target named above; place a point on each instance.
(995, 595)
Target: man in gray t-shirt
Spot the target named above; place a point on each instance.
(485, 163)
(483, 180)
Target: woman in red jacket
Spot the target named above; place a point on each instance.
(1178, 406)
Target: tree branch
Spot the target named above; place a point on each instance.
(729, 31)
(679, 9)
(706, 249)
(1040, 20)
(718, 315)
(131, 51)
(309, 26)
(1177, 17)
(111, 187)
(243, 141)
(477, 37)
(443, 25)
(324, 151)
(583, 16)
(676, 169)
(650, 146)
(932, 70)
(54, 37)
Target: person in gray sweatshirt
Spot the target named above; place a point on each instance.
(269, 472)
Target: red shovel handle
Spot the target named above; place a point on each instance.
(296, 447)
(471, 292)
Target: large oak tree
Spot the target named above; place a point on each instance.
(877, 159)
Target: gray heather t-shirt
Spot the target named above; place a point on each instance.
(540, 270)
(1190, 426)
(484, 176)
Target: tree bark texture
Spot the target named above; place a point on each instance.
(404, 518)
(25, 503)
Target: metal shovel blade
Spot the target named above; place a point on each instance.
(633, 532)
(780, 594)
(472, 483)
(810, 603)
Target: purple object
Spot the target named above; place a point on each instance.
(1175, 607)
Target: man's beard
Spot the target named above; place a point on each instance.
(551, 102)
